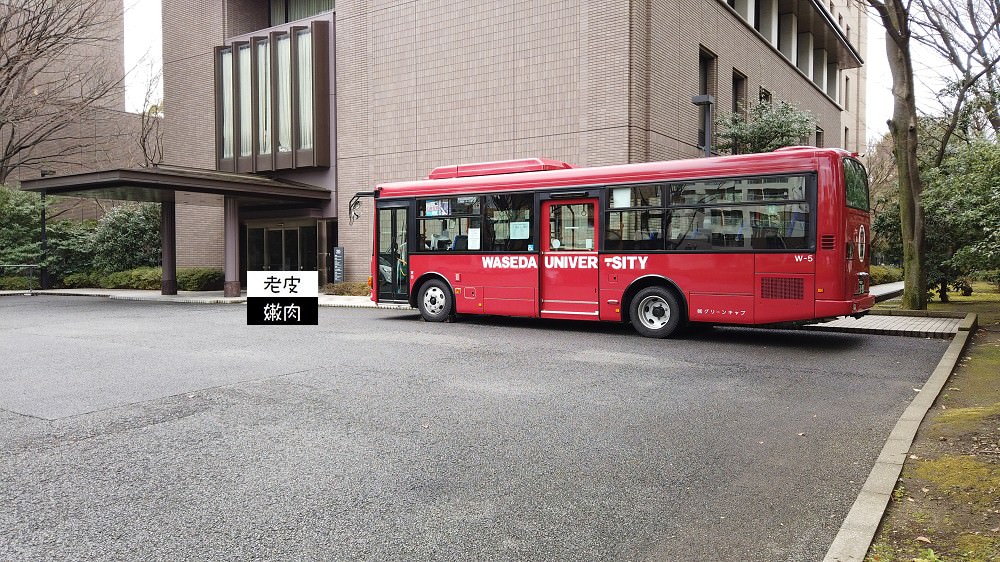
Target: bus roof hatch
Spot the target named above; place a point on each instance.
(492, 168)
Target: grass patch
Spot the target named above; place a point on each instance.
(984, 300)
(978, 548)
(966, 479)
(958, 421)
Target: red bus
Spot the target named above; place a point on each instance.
(751, 239)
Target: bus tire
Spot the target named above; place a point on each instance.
(655, 312)
(435, 301)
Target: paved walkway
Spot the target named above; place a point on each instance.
(895, 325)
(886, 291)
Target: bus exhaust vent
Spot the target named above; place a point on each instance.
(787, 288)
(827, 242)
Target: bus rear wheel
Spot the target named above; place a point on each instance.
(435, 301)
(655, 312)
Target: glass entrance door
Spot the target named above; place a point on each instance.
(393, 259)
(281, 249)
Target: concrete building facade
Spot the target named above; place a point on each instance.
(409, 86)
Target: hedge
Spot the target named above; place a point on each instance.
(882, 274)
(149, 278)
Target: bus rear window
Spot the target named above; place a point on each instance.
(856, 184)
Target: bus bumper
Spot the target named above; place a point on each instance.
(829, 309)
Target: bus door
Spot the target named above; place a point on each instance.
(569, 271)
(393, 257)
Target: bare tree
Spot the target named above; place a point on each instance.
(59, 64)
(895, 18)
(150, 136)
(966, 34)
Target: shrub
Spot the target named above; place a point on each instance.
(138, 278)
(990, 276)
(14, 283)
(81, 280)
(71, 248)
(149, 278)
(200, 279)
(128, 236)
(357, 289)
(882, 274)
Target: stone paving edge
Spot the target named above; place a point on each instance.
(858, 530)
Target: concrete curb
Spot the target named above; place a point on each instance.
(859, 528)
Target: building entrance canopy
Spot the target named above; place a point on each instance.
(169, 185)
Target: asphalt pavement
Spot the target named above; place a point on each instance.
(151, 430)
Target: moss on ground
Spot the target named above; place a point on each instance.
(964, 478)
(959, 421)
(949, 507)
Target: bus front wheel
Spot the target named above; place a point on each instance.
(435, 301)
(655, 312)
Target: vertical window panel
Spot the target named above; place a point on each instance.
(226, 103)
(298, 9)
(284, 93)
(278, 12)
(264, 97)
(246, 107)
(305, 76)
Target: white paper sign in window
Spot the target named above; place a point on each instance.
(520, 230)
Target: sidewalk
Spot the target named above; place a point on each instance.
(200, 297)
(901, 325)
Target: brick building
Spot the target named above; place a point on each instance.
(349, 95)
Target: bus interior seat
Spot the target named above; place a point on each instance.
(461, 242)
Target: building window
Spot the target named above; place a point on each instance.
(847, 91)
(303, 50)
(273, 95)
(246, 105)
(264, 97)
(226, 103)
(848, 34)
(847, 134)
(739, 92)
(284, 11)
(707, 79)
(764, 96)
(820, 141)
(283, 99)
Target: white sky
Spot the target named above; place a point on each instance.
(927, 66)
(143, 45)
(143, 57)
